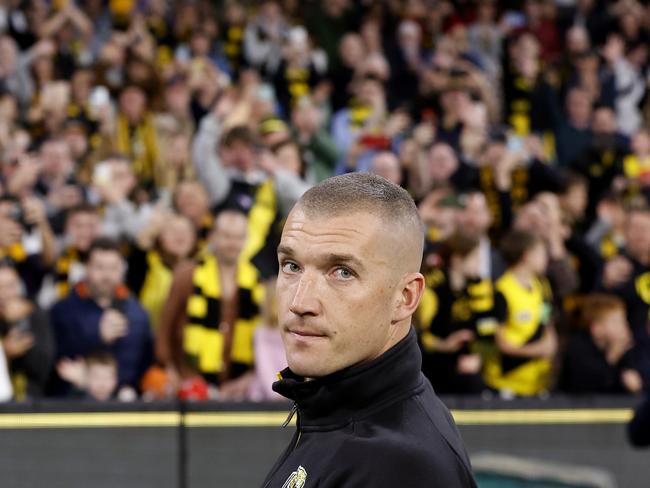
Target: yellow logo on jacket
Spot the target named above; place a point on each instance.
(297, 479)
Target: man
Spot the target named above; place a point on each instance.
(82, 227)
(99, 314)
(349, 283)
(208, 321)
(230, 167)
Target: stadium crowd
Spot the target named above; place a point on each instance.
(150, 151)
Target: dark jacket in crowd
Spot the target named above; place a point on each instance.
(376, 424)
(75, 321)
(36, 363)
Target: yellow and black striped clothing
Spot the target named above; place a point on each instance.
(443, 311)
(233, 46)
(211, 346)
(260, 203)
(140, 144)
(29, 266)
(528, 314)
(70, 258)
(527, 181)
(149, 278)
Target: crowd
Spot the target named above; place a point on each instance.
(150, 151)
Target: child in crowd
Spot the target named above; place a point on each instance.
(599, 357)
(95, 377)
(526, 340)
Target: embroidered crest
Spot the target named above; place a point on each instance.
(297, 479)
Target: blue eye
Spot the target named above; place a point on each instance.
(344, 273)
(290, 267)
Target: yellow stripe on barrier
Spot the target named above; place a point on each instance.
(88, 420)
(235, 419)
(518, 417)
(275, 419)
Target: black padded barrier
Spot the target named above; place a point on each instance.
(196, 445)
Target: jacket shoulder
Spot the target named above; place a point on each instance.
(389, 462)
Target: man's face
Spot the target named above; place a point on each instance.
(83, 228)
(104, 272)
(336, 291)
(178, 237)
(638, 235)
(475, 218)
(192, 200)
(240, 156)
(442, 162)
(229, 237)
(9, 286)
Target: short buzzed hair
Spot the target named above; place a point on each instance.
(364, 192)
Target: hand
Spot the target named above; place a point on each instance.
(548, 343)
(45, 48)
(73, 371)
(267, 162)
(397, 123)
(34, 209)
(65, 197)
(112, 326)
(631, 380)
(454, 341)
(25, 176)
(617, 271)
(469, 364)
(17, 343)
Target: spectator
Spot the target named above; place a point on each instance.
(166, 240)
(459, 315)
(192, 202)
(387, 165)
(100, 314)
(114, 183)
(135, 134)
(526, 340)
(209, 319)
(234, 180)
(636, 166)
(95, 378)
(269, 351)
(26, 239)
(83, 226)
(474, 219)
(27, 340)
(599, 356)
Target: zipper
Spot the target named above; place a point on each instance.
(294, 411)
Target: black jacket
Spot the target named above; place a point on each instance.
(377, 425)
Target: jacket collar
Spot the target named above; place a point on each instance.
(342, 396)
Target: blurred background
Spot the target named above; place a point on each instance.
(150, 151)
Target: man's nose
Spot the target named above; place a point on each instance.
(305, 299)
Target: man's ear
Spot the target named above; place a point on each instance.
(410, 293)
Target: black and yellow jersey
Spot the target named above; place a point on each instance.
(443, 311)
(528, 314)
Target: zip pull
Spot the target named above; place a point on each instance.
(293, 411)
